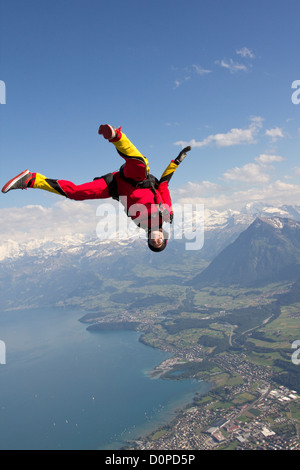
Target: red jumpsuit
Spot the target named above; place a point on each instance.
(147, 206)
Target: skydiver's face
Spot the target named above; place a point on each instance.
(156, 238)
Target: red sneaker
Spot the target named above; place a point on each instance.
(109, 132)
(18, 182)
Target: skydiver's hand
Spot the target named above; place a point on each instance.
(182, 155)
(167, 216)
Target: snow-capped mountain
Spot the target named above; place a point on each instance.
(267, 251)
(77, 269)
(219, 229)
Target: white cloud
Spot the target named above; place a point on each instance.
(265, 159)
(200, 70)
(64, 219)
(232, 66)
(189, 72)
(249, 173)
(254, 173)
(178, 83)
(74, 220)
(234, 137)
(255, 178)
(245, 52)
(275, 193)
(201, 189)
(170, 124)
(274, 133)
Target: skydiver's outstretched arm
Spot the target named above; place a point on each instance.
(163, 186)
(173, 165)
(136, 164)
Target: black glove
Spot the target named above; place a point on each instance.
(182, 155)
(165, 214)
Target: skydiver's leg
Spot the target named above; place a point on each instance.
(136, 164)
(97, 189)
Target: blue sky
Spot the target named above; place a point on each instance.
(217, 74)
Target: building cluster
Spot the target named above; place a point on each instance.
(265, 422)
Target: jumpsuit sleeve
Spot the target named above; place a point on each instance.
(163, 189)
(169, 171)
(165, 202)
(128, 151)
(173, 165)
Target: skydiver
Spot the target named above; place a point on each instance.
(146, 200)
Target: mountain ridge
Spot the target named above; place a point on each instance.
(220, 229)
(77, 270)
(267, 251)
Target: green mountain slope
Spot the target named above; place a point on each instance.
(267, 251)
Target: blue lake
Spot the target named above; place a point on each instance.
(63, 387)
